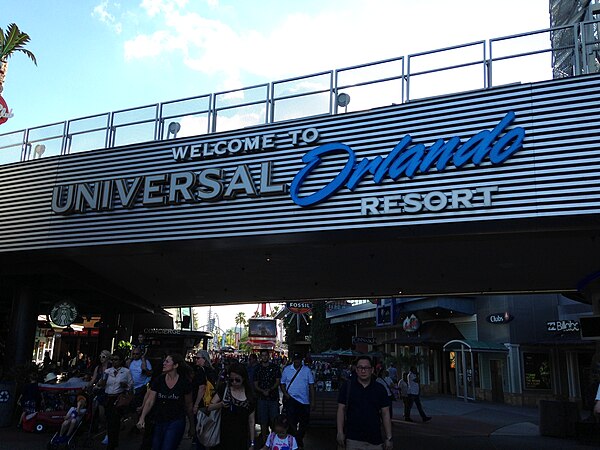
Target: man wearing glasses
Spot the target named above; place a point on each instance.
(363, 406)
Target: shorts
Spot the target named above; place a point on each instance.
(266, 410)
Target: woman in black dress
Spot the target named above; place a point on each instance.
(237, 405)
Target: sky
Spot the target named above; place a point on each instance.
(96, 56)
(227, 313)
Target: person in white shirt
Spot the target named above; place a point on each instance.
(414, 391)
(298, 387)
(117, 380)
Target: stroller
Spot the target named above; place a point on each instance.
(75, 418)
(57, 399)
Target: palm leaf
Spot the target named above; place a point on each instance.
(14, 41)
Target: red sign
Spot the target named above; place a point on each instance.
(5, 113)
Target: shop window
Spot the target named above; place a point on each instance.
(537, 371)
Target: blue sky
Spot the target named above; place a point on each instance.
(96, 56)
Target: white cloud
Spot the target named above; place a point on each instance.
(100, 11)
(304, 43)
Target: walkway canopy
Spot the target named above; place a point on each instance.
(469, 345)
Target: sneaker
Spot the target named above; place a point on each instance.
(105, 440)
(426, 419)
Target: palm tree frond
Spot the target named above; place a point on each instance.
(29, 54)
(14, 40)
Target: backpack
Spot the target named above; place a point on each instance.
(271, 439)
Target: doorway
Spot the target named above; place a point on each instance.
(496, 369)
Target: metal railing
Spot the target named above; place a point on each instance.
(471, 66)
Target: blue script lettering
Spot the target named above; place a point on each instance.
(407, 161)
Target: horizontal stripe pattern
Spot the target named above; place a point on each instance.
(555, 173)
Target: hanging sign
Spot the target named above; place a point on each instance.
(499, 318)
(5, 113)
(411, 324)
(63, 314)
(299, 307)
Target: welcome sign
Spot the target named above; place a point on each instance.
(405, 160)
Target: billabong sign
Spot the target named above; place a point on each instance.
(562, 325)
(499, 318)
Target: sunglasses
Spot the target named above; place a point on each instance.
(235, 380)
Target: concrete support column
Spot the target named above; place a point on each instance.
(23, 324)
(590, 288)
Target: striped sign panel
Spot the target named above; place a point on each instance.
(122, 195)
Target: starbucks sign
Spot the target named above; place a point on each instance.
(63, 314)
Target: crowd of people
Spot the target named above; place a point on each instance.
(262, 389)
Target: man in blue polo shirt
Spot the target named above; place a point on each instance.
(363, 405)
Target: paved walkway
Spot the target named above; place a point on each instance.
(454, 425)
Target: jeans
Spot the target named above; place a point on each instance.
(417, 401)
(113, 422)
(298, 416)
(168, 435)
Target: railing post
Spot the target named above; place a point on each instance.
(484, 66)
(213, 127)
(332, 101)
(267, 105)
(157, 121)
(489, 66)
(579, 69)
(335, 92)
(65, 134)
(111, 131)
(408, 79)
(25, 146)
(272, 96)
(403, 83)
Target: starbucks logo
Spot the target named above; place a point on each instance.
(63, 314)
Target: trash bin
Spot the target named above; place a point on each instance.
(558, 418)
(7, 402)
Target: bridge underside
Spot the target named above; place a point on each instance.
(495, 257)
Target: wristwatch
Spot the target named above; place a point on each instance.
(389, 438)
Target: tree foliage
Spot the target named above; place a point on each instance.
(323, 335)
(14, 40)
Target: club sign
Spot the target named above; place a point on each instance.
(499, 318)
(5, 113)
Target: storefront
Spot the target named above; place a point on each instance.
(492, 348)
